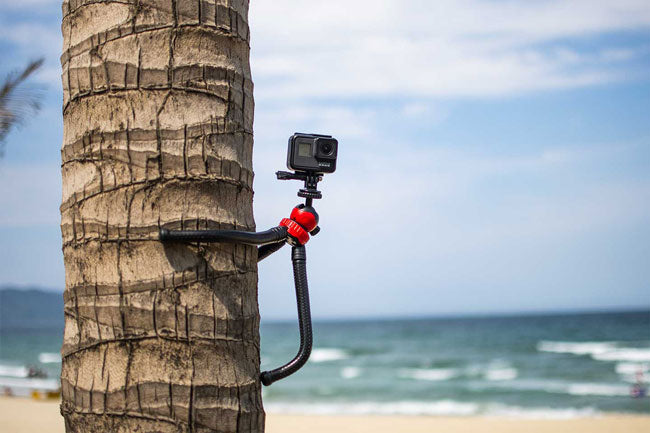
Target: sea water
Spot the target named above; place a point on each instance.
(543, 366)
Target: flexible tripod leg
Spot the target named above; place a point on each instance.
(266, 250)
(271, 241)
(271, 236)
(299, 259)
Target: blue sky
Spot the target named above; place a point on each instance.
(500, 150)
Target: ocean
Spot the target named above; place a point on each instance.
(542, 366)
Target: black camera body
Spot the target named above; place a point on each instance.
(312, 153)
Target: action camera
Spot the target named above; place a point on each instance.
(312, 153)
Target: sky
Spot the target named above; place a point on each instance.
(494, 155)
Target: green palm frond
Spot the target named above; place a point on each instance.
(17, 102)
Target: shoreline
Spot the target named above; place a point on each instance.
(22, 415)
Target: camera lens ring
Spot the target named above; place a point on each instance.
(327, 148)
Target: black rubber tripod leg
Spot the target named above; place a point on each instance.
(299, 259)
(271, 236)
(266, 250)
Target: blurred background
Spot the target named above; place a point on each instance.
(485, 243)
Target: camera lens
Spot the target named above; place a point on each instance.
(327, 148)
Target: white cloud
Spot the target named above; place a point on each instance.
(443, 48)
(414, 48)
(277, 119)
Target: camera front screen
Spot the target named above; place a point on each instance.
(304, 149)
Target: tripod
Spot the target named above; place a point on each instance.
(295, 230)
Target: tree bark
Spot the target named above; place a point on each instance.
(158, 116)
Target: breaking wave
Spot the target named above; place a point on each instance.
(632, 368)
(432, 374)
(600, 351)
(22, 387)
(494, 371)
(327, 354)
(350, 372)
(504, 373)
(442, 407)
(559, 387)
(624, 354)
(576, 348)
(13, 371)
(435, 408)
(49, 358)
(605, 390)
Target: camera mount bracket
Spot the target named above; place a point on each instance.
(311, 180)
(296, 231)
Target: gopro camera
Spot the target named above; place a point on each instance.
(312, 153)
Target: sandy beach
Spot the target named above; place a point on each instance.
(21, 415)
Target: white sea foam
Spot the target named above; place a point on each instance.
(576, 348)
(49, 358)
(431, 374)
(13, 371)
(327, 354)
(624, 354)
(600, 351)
(560, 387)
(497, 370)
(540, 412)
(583, 388)
(503, 373)
(607, 390)
(632, 368)
(28, 384)
(629, 371)
(350, 372)
(439, 408)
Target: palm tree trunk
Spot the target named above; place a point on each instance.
(158, 115)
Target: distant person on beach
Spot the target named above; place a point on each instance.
(639, 389)
(35, 372)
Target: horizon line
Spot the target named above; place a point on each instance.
(474, 314)
(416, 316)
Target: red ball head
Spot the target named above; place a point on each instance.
(306, 216)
